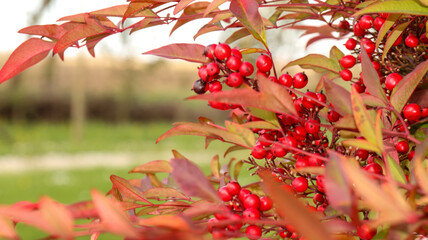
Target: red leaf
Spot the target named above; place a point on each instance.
(339, 96)
(370, 77)
(134, 8)
(90, 29)
(127, 189)
(29, 217)
(83, 209)
(156, 193)
(7, 229)
(112, 216)
(58, 217)
(208, 28)
(26, 55)
(247, 12)
(181, 5)
(51, 31)
(185, 51)
(213, 5)
(241, 33)
(192, 180)
(190, 13)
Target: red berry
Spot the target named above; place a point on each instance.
(312, 127)
(235, 226)
(314, 161)
(203, 73)
(235, 53)
(266, 139)
(424, 112)
(266, 203)
(411, 155)
(351, 44)
(243, 194)
(402, 147)
(346, 74)
(299, 133)
(318, 198)
(264, 63)
(278, 150)
(333, 116)
(253, 232)
(300, 184)
(285, 234)
(373, 168)
(224, 194)
(307, 102)
(397, 41)
(251, 201)
(212, 69)
(234, 80)
(412, 112)
(246, 69)
(347, 61)
(366, 22)
(234, 188)
(215, 86)
(411, 41)
(359, 87)
(258, 152)
(392, 80)
(209, 51)
(222, 51)
(369, 46)
(289, 142)
(321, 98)
(301, 162)
(286, 80)
(233, 63)
(361, 154)
(218, 105)
(251, 213)
(321, 183)
(378, 23)
(300, 80)
(358, 30)
(343, 25)
(365, 233)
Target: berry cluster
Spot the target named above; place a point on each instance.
(227, 67)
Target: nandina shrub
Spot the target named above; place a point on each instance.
(345, 160)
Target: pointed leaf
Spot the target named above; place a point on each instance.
(395, 170)
(403, 6)
(370, 77)
(362, 118)
(153, 167)
(207, 29)
(112, 216)
(317, 62)
(134, 8)
(26, 55)
(237, 169)
(215, 166)
(7, 229)
(156, 193)
(51, 31)
(246, 134)
(418, 165)
(167, 221)
(363, 144)
(247, 12)
(127, 189)
(389, 22)
(52, 212)
(89, 29)
(407, 86)
(241, 33)
(339, 97)
(184, 51)
(181, 5)
(292, 211)
(213, 5)
(277, 93)
(337, 185)
(192, 180)
(190, 13)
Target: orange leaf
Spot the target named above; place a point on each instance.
(7, 229)
(184, 51)
(153, 167)
(247, 12)
(51, 31)
(167, 221)
(112, 216)
(26, 55)
(156, 193)
(294, 211)
(125, 188)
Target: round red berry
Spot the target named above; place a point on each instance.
(224, 194)
(251, 201)
(378, 23)
(312, 127)
(253, 232)
(348, 61)
(333, 116)
(412, 112)
(351, 44)
(234, 80)
(300, 184)
(358, 30)
(243, 194)
(266, 203)
(278, 151)
(301, 162)
(258, 152)
(318, 198)
(402, 147)
(300, 80)
(308, 102)
(234, 188)
(264, 63)
(424, 112)
(321, 183)
(233, 63)
(209, 51)
(286, 80)
(411, 41)
(392, 80)
(251, 213)
(212, 69)
(203, 73)
(346, 74)
(215, 86)
(366, 22)
(374, 168)
(246, 69)
(365, 232)
(222, 51)
(235, 53)
(361, 154)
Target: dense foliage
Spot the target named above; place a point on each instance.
(333, 163)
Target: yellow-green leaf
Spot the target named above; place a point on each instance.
(363, 120)
(412, 7)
